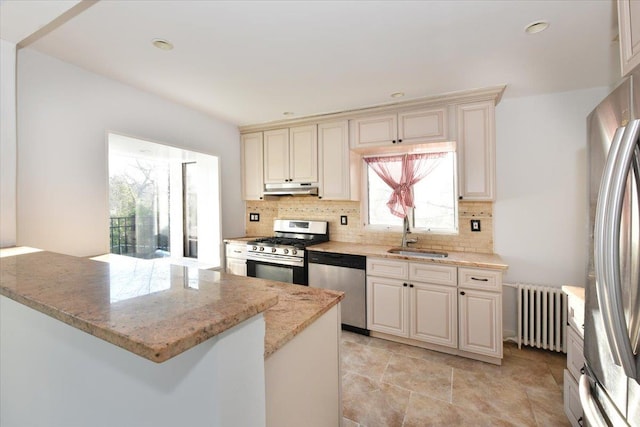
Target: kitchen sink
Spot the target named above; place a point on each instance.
(426, 253)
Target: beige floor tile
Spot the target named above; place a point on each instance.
(424, 411)
(383, 377)
(346, 422)
(492, 396)
(419, 375)
(548, 408)
(364, 360)
(373, 404)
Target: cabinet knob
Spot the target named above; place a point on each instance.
(459, 197)
(394, 141)
(399, 140)
(411, 285)
(405, 285)
(462, 293)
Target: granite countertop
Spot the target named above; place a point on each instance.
(152, 309)
(464, 259)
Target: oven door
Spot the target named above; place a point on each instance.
(268, 269)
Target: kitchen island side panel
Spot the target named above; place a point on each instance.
(52, 374)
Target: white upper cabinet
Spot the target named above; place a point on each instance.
(629, 27)
(475, 145)
(337, 166)
(412, 127)
(291, 155)
(252, 166)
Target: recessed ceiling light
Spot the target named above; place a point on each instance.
(162, 44)
(288, 113)
(397, 94)
(536, 27)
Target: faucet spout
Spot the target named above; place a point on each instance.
(405, 231)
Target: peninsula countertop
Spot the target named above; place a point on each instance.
(157, 310)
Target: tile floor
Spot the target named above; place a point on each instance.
(386, 384)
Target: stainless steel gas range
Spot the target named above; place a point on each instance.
(283, 257)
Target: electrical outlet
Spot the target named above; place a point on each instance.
(343, 219)
(254, 217)
(475, 225)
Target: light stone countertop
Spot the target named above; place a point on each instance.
(464, 259)
(574, 291)
(152, 309)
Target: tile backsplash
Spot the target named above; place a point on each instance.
(312, 208)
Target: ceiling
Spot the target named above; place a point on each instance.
(248, 62)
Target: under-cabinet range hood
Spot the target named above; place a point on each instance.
(291, 189)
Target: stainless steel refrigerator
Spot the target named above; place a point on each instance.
(609, 388)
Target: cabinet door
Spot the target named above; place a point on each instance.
(374, 131)
(575, 353)
(572, 405)
(629, 25)
(476, 150)
(430, 125)
(433, 314)
(276, 156)
(480, 317)
(237, 266)
(303, 154)
(387, 306)
(334, 161)
(252, 166)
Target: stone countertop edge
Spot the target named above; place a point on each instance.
(240, 239)
(461, 259)
(574, 291)
(298, 307)
(156, 325)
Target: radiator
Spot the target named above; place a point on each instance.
(542, 317)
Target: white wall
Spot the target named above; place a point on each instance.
(64, 113)
(541, 206)
(7, 143)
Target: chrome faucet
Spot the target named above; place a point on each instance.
(405, 231)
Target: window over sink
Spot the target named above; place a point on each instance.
(434, 194)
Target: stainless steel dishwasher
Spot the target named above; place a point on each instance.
(346, 273)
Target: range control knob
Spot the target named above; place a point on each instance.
(261, 248)
(254, 248)
(294, 252)
(286, 251)
(273, 250)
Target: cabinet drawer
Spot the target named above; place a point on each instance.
(476, 278)
(236, 250)
(387, 268)
(431, 273)
(575, 354)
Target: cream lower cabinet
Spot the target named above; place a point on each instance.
(236, 258)
(424, 304)
(401, 305)
(480, 322)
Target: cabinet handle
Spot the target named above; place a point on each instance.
(479, 280)
(462, 293)
(580, 421)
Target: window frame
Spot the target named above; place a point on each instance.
(409, 149)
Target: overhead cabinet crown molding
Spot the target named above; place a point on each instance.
(311, 147)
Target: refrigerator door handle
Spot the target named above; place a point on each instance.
(610, 290)
(603, 224)
(591, 412)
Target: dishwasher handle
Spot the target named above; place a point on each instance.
(357, 262)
